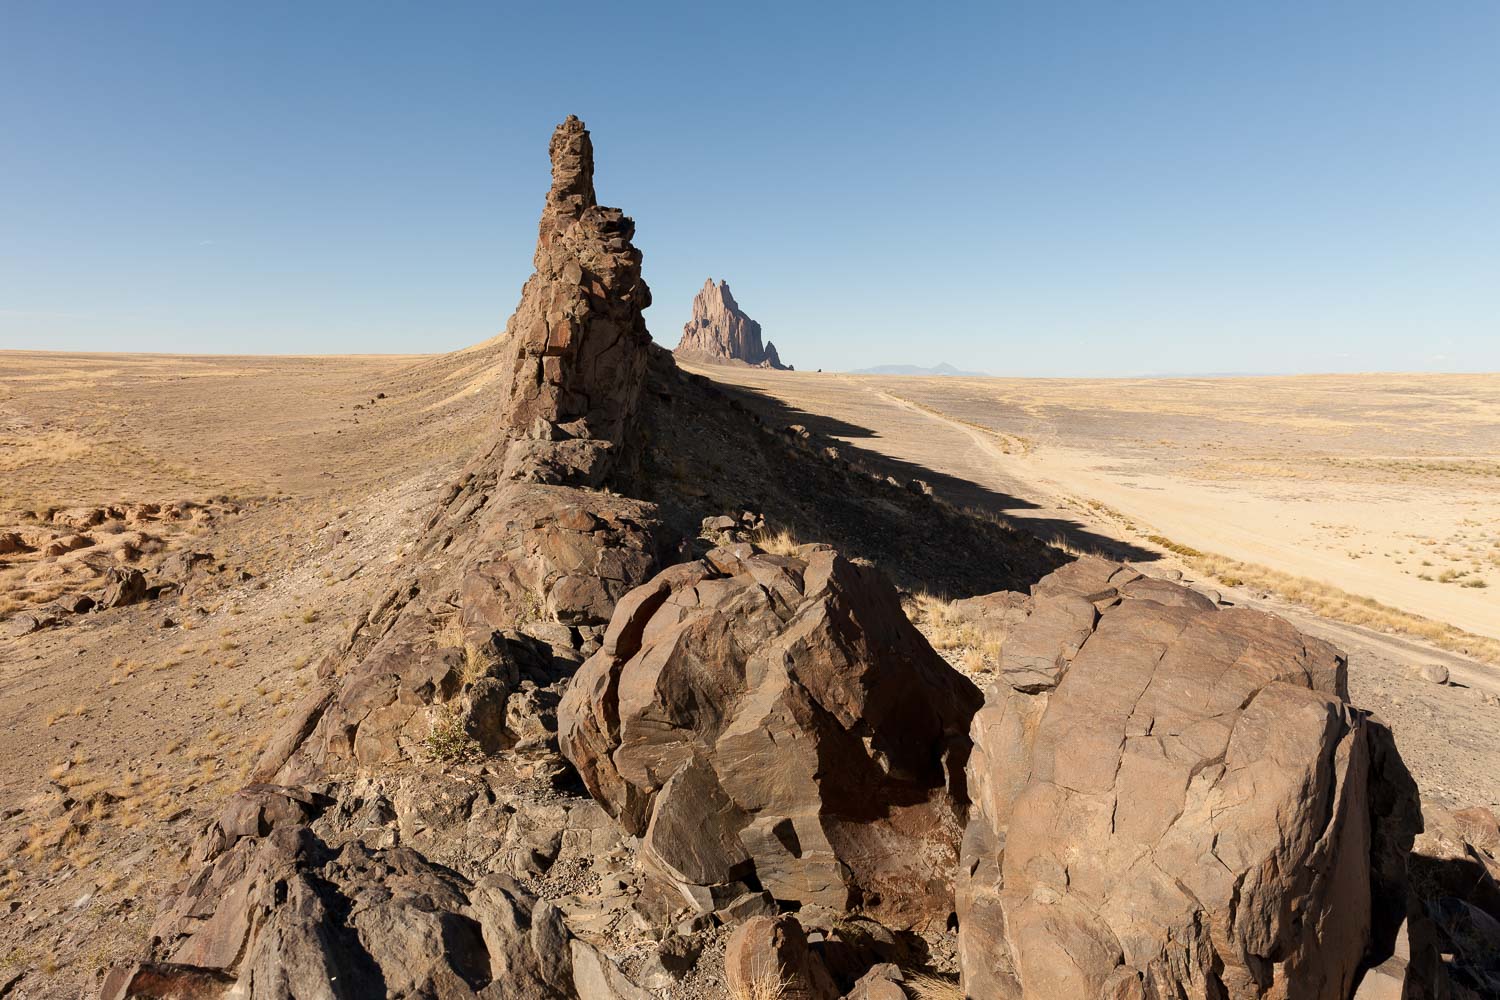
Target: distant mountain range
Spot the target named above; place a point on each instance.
(942, 368)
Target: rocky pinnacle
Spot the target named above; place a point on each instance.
(720, 331)
(576, 345)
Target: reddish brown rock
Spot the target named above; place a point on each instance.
(1169, 800)
(576, 345)
(768, 957)
(287, 915)
(720, 331)
(504, 595)
(777, 720)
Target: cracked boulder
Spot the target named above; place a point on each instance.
(1169, 800)
(775, 722)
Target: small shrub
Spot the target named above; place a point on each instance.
(448, 743)
(925, 987)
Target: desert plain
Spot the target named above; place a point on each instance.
(1382, 487)
(300, 473)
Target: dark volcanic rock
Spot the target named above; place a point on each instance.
(464, 655)
(1169, 800)
(577, 342)
(720, 331)
(777, 722)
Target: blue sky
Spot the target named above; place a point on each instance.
(1027, 188)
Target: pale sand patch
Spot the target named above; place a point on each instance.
(1381, 486)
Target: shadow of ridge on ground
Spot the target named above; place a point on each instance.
(961, 493)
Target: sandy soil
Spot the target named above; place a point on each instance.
(1383, 486)
(123, 730)
(1006, 452)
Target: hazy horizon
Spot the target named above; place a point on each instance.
(1078, 192)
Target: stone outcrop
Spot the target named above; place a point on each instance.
(720, 331)
(1156, 797)
(776, 722)
(505, 594)
(1169, 800)
(576, 346)
(278, 910)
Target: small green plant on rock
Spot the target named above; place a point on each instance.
(448, 743)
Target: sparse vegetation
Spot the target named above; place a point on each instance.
(448, 743)
(777, 541)
(923, 986)
(764, 984)
(1339, 605)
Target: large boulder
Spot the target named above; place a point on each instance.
(776, 722)
(1169, 800)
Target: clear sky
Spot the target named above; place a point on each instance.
(1039, 188)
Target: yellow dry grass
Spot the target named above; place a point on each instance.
(778, 542)
(1335, 604)
(764, 984)
(922, 986)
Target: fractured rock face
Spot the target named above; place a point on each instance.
(464, 654)
(720, 331)
(773, 722)
(278, 912)
(1169, 800)
(577, 341)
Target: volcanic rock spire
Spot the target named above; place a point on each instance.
(577, 342)
(720, 331)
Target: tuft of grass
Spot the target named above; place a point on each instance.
(780, 542)
(1185, 551)
(764, 984)
(927, 987)
(448, 743)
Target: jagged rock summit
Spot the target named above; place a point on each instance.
(720, 331)
(577, 340)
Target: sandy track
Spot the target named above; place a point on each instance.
(1334, 480)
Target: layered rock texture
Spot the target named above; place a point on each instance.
(577, 342)
(1169, 800)
(775, 723)
(721, 332)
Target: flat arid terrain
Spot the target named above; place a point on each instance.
(1380, 486)
(1299, 495)
(310, 470)
(555, 669)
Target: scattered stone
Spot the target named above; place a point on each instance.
(1433, 673)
